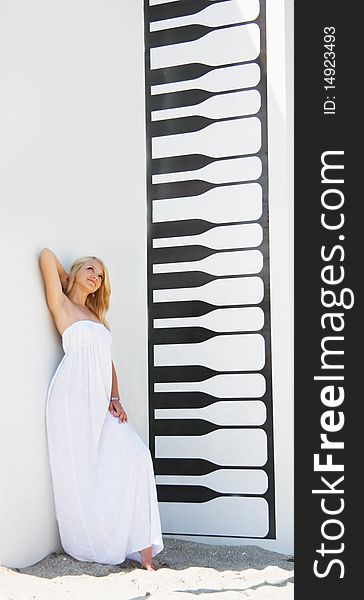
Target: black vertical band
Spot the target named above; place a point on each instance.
(328, 125)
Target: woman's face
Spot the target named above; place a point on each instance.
(90, 275)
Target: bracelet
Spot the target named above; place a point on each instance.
(114, 398)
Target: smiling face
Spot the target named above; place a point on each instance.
(90, 275)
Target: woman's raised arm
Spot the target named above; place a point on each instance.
(55, 278)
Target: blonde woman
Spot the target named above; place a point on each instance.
(102, 472)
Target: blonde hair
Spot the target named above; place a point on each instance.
(97, 302)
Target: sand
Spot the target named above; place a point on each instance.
(185, 570)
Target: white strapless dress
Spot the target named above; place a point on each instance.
(102, 471)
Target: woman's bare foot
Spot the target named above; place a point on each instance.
(147, 562)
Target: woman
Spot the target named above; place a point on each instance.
(102, 472)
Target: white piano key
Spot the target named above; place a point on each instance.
(224, 138)
(237, 290)
(225, 481)
(225, 204)
(223, 319)
(222, 171)
(225, 516)
(216, 15)
(236, 44)
(233, 104)
(233, 385)
(235, 447)
(218, 238)
(239, 352)
(245, 262)
(218, 80)
(220, 413)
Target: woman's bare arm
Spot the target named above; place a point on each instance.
(114, 385)
(55, 278)
(115, 407)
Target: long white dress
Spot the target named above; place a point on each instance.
(102, 472)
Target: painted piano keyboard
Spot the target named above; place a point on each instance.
(211, 429)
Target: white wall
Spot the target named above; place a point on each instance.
(72, 178)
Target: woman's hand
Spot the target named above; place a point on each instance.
(117, 410)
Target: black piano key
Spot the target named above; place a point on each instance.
(180, 228)
(170, 10)
(189, 466)
(175, 373)
(173, 164)
(183, 335)
(180, 254)
(190, 399)
(182, 373)
(189, 427)
(188, 124)
(178, 35)
(190, 493)
(190, 279)
(180, 125)
(179, 189)
(178, 73)
(177, 99)
(189, 308)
